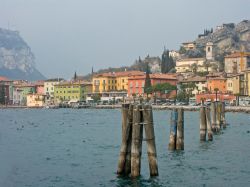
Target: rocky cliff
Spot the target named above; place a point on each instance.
(228, 38)
(16, 58)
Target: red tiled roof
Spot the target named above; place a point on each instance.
(237, 55)
(171, 76)
(120, 74)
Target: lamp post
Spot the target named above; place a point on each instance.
(5, 100)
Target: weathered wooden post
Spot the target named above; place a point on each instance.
(128, 155)
(208, 123)
(173, 129)
(180, 130)
(213, 114)
(218, 116)
(136, 142)
(125, 129)
(150, 138)
(203, 128)
(223, 118)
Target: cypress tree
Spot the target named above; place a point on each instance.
(147, 85)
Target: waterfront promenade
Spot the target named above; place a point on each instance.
(244, 109)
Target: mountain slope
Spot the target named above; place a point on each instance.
(16, 58)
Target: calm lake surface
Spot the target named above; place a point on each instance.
(67, 147)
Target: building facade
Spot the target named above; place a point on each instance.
(35, 100)
(112, 81)
(237, 62)
(71, 91)
(49, 88)
(136, 83)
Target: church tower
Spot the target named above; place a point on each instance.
(209, 51)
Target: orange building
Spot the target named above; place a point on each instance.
(136, 83)
(217, 82)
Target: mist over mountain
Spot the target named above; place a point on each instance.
(16, 58)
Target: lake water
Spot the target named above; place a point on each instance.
(67, 147)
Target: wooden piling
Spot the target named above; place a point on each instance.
(180, 130)
(125, 134)
(223, 118)
(218, 116)
(203, 128)
(208, 123)
(128, 155)
(136, 142)
(213, 116)
(150, 138)
(173, 130)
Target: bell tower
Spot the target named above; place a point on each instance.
(209, 51)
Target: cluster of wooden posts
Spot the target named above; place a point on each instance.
(134, 118)
(176, 137)
(137, 116)
(212, 120)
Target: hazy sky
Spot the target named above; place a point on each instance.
(74, 35)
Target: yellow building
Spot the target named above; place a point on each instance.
(71, 91)
(35, 100)
(247, 82)
(115, 81)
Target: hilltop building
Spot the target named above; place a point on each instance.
(205, 64)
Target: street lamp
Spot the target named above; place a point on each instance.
(5, 100)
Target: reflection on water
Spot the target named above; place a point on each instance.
(68, 147)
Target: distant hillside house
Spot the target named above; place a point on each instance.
(189, 45)
(204, 64)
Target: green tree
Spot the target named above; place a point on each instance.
(194, 68)
(167, 62)
(182, 50)
(147, 85)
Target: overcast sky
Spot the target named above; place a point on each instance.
(74, 35)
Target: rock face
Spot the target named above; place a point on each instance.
(16, 58)
(228, 37)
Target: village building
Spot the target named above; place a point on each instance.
(237, 62)
(71, 91)
(49, 88)
(235, 84)
(204, 64)
(112, 81)
(194, 85)
(137, 83)
(247, 82)
(35, 100)
(218, 83)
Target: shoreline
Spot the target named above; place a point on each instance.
(242, 109)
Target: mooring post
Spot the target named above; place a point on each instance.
(213, 116)
(180, 130)
(173, 130)
(136, 142)
(128, 155)
(125, 134)
(150, 138)
(203, 128)
(208, 123)
(223, 118)
(218, 116)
